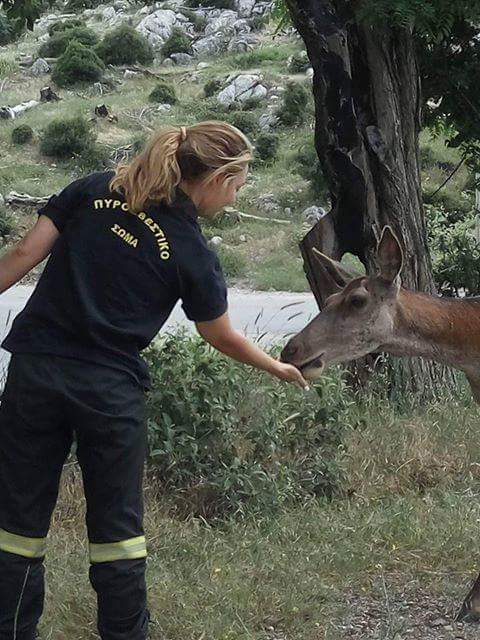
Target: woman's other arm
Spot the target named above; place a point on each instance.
(28, 252)
(221, 335)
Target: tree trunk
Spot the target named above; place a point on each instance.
(368, 116)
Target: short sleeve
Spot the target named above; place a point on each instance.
(60, 207)
(204, 291)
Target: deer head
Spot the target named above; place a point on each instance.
(357, 319)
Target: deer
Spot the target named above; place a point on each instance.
(368, 314)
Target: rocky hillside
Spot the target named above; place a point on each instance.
(211, 63)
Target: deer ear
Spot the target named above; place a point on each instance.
(389, 255)
(337, 271)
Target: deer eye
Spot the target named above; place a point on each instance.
(358, 301)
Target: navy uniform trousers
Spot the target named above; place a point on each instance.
(46, 400)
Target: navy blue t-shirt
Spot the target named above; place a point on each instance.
(113, 277)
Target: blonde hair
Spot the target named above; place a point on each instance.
(201, 151)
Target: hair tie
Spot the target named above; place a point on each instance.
(183, 133)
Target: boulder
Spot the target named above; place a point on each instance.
(39, 68)
(313, 214)
(242, 43)
(216, 241)
(223, 23)
(244, 8)
(268, 122)
(211, 45)
(243, 87)
(157, 26)
(182, 59)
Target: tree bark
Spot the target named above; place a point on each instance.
(368, 117)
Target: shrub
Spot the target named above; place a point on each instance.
(258, 22)
(22, 134)
(79, 5)
(163, 93)
(308, 166)
(233, 263)
(299, 62)
(177, 42)
(212, 87)
(77, 64)
(64, 138)
(292, 110)
(199, 22)
(124, 45)
(266, 147)
(60, 40)
(224, 441)
(218, 4)
(7, 223)
(243, 120)
(6, 30)
(64, 25)
(455, 252)
(93, 157)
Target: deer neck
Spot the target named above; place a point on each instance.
(443, 329)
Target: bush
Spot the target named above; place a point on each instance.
(233, 263)
(243, 120)
(218, 4)
(7, 223)
(64, 138)
(60, 40)
(212, 87)
(292, 110)
(226, 440)
(258, 22)
(22, 134)
(455, 252)
(94, 157)
(64, 25)
(6, 30)
(266, 147)
(163, 93)
(79, 5)
(199, 22)
(77, 64)
(124, 45)
(299, 62)
(308, 166)
(177, 42)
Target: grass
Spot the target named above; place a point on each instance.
(409, 520)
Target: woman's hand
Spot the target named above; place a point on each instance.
(290, 373)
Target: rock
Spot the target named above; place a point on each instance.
(241, 26)
(128, 73)
(182, 58)
(121, 5)
(313, 214)
(242, 238)
(244, 8)
(168, 62)
(216, 241)
(287, 211)
(211, 45)
(97, 88)
(157, 26)
(164, 108)
(222, 23)
(268, 203)
(268, 122)
(243, 87)
(39, 68)
(242, 43)
(309, 72)
(203, 65)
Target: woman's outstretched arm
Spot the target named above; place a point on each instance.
(221, 335)
(28, 252)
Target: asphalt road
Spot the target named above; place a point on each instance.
(267, 317)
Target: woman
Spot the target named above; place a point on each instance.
(125, 246)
